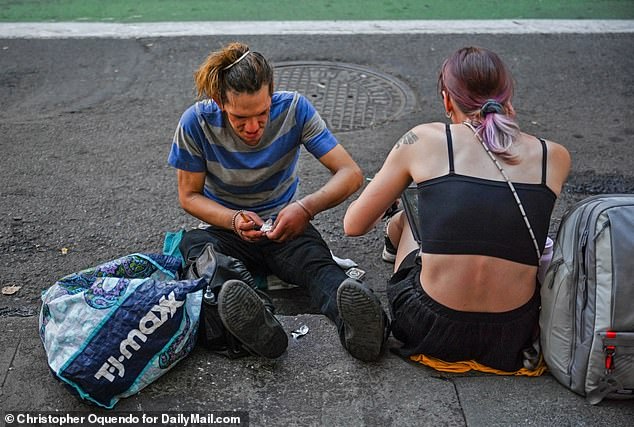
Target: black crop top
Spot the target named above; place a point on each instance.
(462, 214)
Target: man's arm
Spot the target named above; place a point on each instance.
(346, 178)
(194, 202)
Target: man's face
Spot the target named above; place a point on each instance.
(248, 113)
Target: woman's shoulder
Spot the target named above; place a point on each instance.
(422, 151)
(558, 162)
(431, 129)
(551, 146)
(423, 135)
(419, 142)
(557, 153)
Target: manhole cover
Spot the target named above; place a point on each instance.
(347, 96)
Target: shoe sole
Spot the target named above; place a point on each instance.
(244, 315)
(388, 256)
(364, 321)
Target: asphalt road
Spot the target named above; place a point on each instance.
(86, 127)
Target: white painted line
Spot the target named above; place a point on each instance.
(45, 30)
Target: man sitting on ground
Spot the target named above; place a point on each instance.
(236, 153)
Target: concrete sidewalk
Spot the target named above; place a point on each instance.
(315, 383)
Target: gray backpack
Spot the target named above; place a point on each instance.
(587, 316)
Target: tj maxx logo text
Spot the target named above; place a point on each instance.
(153, 320)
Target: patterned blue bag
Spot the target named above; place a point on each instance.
(110, 330)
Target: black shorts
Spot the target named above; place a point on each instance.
(426, 327)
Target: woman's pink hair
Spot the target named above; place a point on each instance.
(472, 76)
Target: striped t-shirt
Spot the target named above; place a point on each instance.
(262, 178)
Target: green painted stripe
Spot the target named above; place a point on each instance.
(282, 10)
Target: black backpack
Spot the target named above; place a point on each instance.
(219, 268)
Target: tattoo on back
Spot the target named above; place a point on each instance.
(407, 139)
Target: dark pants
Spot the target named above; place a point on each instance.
(305, 261)
(425, 326)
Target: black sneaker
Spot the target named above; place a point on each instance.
(365, 324)
(245, 316)
(389, 251)
(393, 209)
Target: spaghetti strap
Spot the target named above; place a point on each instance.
(449, 148)
(544, 158)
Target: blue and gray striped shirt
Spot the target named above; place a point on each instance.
(263, 178)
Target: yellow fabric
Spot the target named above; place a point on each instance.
(468, 365)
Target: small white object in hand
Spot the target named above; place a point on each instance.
(267, 226)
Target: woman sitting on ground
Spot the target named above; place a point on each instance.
(468, 290)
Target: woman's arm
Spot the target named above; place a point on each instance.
(386, 186)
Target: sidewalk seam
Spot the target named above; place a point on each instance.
(10, 367)
(455, 387)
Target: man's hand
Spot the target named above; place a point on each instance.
(289, 224)
(247, 225)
